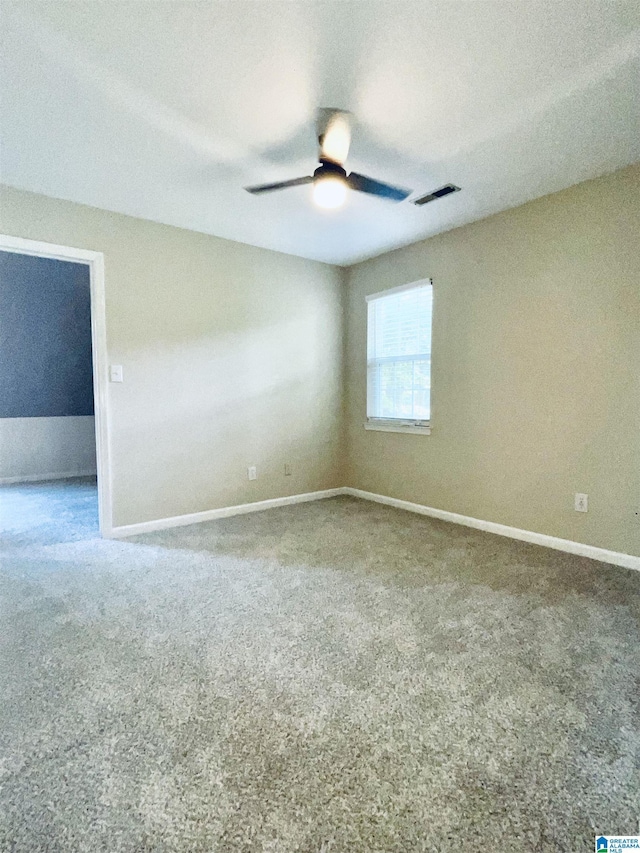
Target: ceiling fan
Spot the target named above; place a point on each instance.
(331, 180)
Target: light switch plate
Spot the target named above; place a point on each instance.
(115, 373)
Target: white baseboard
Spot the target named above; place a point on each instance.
(223, 512)
(38, 478)
(627, 561)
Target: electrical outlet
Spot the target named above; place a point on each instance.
(287, 469)
(252, 471)
(581, 503)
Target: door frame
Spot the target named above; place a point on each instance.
(95, 262)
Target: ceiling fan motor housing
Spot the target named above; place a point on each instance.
(329, 168)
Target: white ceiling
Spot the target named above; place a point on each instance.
(165, 110)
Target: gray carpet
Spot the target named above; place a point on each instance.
(336, 676)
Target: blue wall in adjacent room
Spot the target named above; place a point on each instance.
(45, 338)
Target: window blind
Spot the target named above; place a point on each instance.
(399, 354)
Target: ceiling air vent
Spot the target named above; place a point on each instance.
(447, 189)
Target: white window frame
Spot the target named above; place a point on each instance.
(415, 427)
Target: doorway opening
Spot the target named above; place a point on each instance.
(54, 465)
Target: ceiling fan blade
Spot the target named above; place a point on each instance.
(281, 185)
(367, 185)
(334, 135)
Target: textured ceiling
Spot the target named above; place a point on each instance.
(165, 110)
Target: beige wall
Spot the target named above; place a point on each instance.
(236, 356)
(536, 366)
(43, 448)
(231, 356)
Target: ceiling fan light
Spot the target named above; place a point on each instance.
(330, 192)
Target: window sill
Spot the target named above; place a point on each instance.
(408, 428)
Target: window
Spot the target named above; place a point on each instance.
(399, 358)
